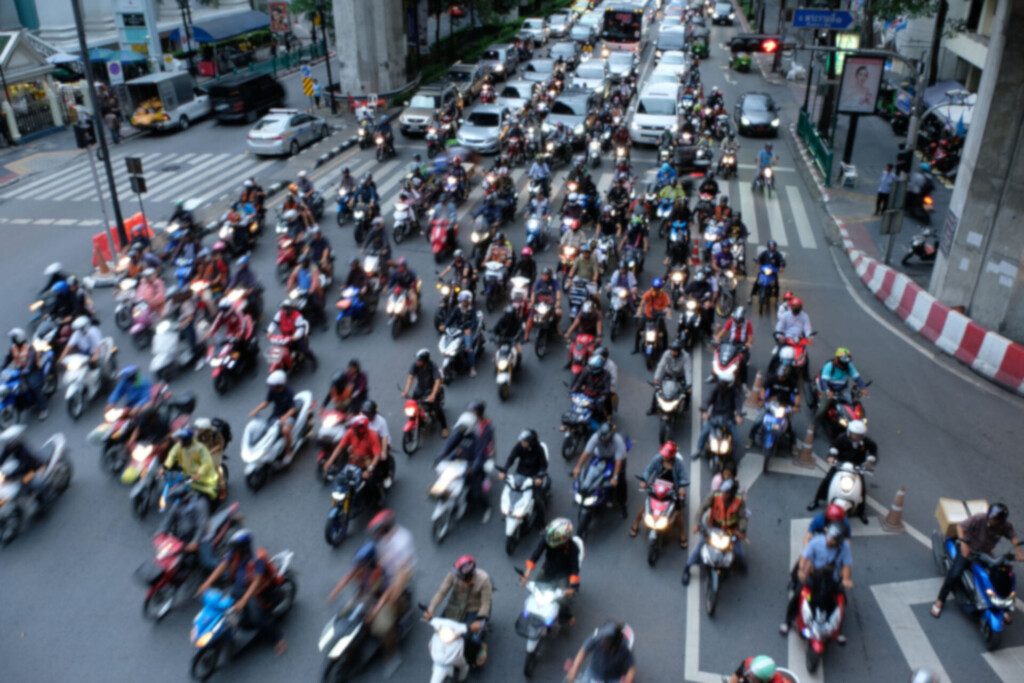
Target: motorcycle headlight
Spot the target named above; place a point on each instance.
(543, 309)
(410, 411)
(650, 336)
(204, 639)
(779, 412)
(719, 541)
(446, 290)
(656, 523)
(338, 496)
(595, 146)
(448, 635)
(379, 139)
(503, 364)
(113, 415)
(579, 129)
(40, 345)
(677, 276)
(331, 420)
(691, 305)
(475, 237)
(768, 172)
(847, 483)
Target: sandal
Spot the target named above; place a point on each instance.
(684, 544)
(936, 609)
(633, 531)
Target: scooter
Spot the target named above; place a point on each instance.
(448, 651)
(767, 288)
(652, 344)
(506, 366)
(417, 421)
(142, 474)
(519, 294)
(451, 491)
(578, 423)
(582, 349)
(594, 152)
(349, 498)
(592, 491)
(353, 312)
(495, 284)
(404, 223)
(659, 507)
(519, 504)
(537, 231)
(539, 619)
(719, 447)
(397, 309)
(846, 407)
(924, 245)
(346, 202)
(544, 324)
(218, 633)
(124, 298)
(263, 444)
(17, 504)
(231, 360)
(671, 400)
(820, 617)
(690, 323)
(83, 381)
(716, 559)
(171, 351)
(765, 182)
(455, 358)
(444, 237)
(621, 311)
(847, 488)
(281, 357)
(727, 362)
(727, 284)
(347, 643)
(773, 434)
(143, 320)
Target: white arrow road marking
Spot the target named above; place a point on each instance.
(797, 647)
(895, 601)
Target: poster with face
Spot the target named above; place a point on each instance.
(862, 77)
(280, 22)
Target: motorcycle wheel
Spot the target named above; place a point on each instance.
(221, 383)
(939, 552)
(663, 229)
(142, 339)
(62, 477)
(343, 328)
(653, 551)
(504, 391)
(813, 659)
(114, 458)
(769, 454)
(569, 446)
(141, 505)
(360, 233)
(768, 187)
(711, 594)
(614, 331)
(76, 405)
(530, 664)
(336, 530)
(664, 431)
(651, 361)
(411, 441)
(398, 234)
(123, 318)
(380, 154)
(396, 328)
(763, 302)
(204, 663)
(441, 526)
(256, 479)
(283, 271)
(10, 526)
(510, 544)
(285, 597)
(992, 639)
(159, 604)
(726, 302)
(541, 345)
(583, 522)
(492, 300)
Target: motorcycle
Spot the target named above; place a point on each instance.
(350, 496)
(621, 311)
(451, 491)
(346, 205)
(218, 633)
(727, 284)
(716, 559)
(652, 343)
(405, 223)
(765, 182)
(280, 356)
(397, 310)
(263, 445)
(171, 351)
(847, 488)
(537, 232)
(519, 505)
(451, 347)
(719, 447)
(821, 613)
(677, 277)
(582, 349)
(592, 491)
(506, 366)
(18, 504)
(660, 506)
(519, 294)
(690, 330)
(846, 407)
(594, 152)
(418, 420)
(142, 474)
(773, 436)
(332, 428)
(288, 248)
(678, 247)
(83, 381)
(111, 435)
(353, 312)
(364, 134)
(727, 167)
(362, 218)
(539, 619)
(444, 237)
(347, 643)
(434, 143)
(671, 400)
(385, 148)
(448, 650)
(578, 423)
(143, 320)
(727, 362)
(230, 360)
(924, 245)
(545, 324)
(124, 299)
(767, 288)
(495, 284)
(480, 238)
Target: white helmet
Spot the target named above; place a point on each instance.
(466, 421)
(302, 174)
(277, 378)
(857, 428)
(80, 323)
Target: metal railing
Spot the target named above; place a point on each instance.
(820, 151)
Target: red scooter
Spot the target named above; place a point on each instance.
(819, 620)
(444, 236)
(281, 357)
(417, 421)
(579, 353)
(287, 255)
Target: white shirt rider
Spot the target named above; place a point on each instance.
(794, 326)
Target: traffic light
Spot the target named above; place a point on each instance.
(756, 42)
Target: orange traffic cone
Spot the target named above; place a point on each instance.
(754, 399)
(893, 521)
(805, 451)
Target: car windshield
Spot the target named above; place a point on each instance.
(533, 23)
(423, 102)
(568, 108)
(658, 106)
(590, 71)
(540, 67)
(269, 124)
(673, 58)
(460, 76)
(556, 20)
(673, 40)
(511, 91)
(663, 77)
(723, 7)
(492, 55)
(755, 104)
(483, 119)
(620, 59)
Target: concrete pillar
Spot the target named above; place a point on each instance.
(51, 99)
(12, 122)
(983, 269)
(371, 44)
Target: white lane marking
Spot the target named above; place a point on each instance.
(202, 172)
(82, 188)
(67, 221)
(1008, 663)
(895, 601)
(43, 221)
(749, 213)
(73, 168)
(775, 222)
(803, 223)
(795, 645)
(21, 221)
(244, 169)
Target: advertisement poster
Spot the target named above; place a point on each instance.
(280, 22)
(862, 78)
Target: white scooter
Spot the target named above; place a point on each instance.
(171, 352)
(263, 444)
(448, 651)
(451, 490)
(506, 366)
(519, 505)
(84, 382)
(847, 486)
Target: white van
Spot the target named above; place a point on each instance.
(657, 110)
(166, 100)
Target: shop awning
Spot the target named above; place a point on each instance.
(217, 29)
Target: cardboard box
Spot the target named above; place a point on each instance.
(952, 511)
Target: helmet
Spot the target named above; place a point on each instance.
(381, 523)
(527, 252)
(857, 428)
(998, 511)
(247, 182)
(605, 432)
(466, 421)
(843, 355)
(739, 314)
(366, 556)
(762, 667)
(835, 513)
(477, 407)
(603, 352)
(241, 540)
(60, 287)
(676, 345)
(11, 436)
(369, 407)
(242, 261)
(547, 272)
(465, 566)
(129, 372)
(728, 486)
(668, 450)
(596, 363)
(587, 307)
(499, 236)
(558, 532)
(925, 167)
(458, 254)
(302, 174)
(290, 215)
(53, 269)
(772, 246)
(288, 303)
(796, 304)
(465, 297)
(219, 245)
(835, 531)
(700, 275)
(359, 422)
(573, 197)
(526, 435)
(224, 305)
(423, 354)
(277, 378)
(184, 435)
(657, 283)
(80, 323)
(148, 272)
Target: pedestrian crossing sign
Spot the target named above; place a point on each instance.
(307, 86)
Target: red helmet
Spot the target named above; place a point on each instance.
(381, 522)
(527, 251)
(465, 566)
(668, 450)
(788, 295)
(796, 302)
(835, 513)
(359, 422)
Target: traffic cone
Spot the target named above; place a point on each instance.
(893, 521)
(754, 399)
(805, 451)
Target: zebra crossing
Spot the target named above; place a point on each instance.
(169, 176)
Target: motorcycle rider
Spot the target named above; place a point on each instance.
(654, 305)
(835, 378)
(289, 322)
(237, 324)
(525, 266)
(349, 387)
(188, 520)
(85, 339)
(561, 562)
(727, 510)
(429, 387)
(243, 277)
(918, 186)
(151, 291)
(404, 278)
(253, 194)
(182, 215)
(782, 386)
(377, 241)
(585, 265)
(759, 669)
(828, 552)
(195, 461)
(604, 444)
(637, 236)
(527, 459)
(29, 467)
(362, 448)
(379, 425)
(468, 591)
(587, 321)
(544, 289)
(464, 317)
(765, 158)
(538, 206)
(723, 405)
(319, 249)
(461, 268)
(131, 386)
(770, 255)
(384, 129)
(666, 175)
(978, 534)
(284, 409)
(306, 278)
(676, 365)
(252, 577)
(740, 331)
(184, 311)
(610, 657)
(795, 324)
(596, 383)
(366, 193)
(666, 464)
(624, 277)
(509, 329)
(853, 446)
(22, 356)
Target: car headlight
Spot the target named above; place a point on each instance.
(499, 68)
(775, 123)
(744, 120)
(634, 126)
(732, 15)
(579, 129)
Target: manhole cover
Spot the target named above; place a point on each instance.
(170, 168)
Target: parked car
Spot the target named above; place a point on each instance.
(568, 51)
(284, 132)
(483, 128)
(756, 114)
(593, 75)
(245, 97)
(425, 105)
(468, 79)
(515, 94)
(657, 110)
(500, 60)
(538, 28)
(166, 100)
(621, 64)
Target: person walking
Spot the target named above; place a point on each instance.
(317, 93)
(884, 189)
(114, 124)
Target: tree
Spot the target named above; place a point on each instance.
(307, 9)
(888, 10)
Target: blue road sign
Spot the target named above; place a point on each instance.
(827, 19)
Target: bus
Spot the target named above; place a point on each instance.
(625, 25)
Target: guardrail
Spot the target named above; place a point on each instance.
(820, 151)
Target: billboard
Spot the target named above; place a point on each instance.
(862, 78)
(280, 21)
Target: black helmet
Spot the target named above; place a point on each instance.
(423, 355)
(478, 407)
(998, 512)
(370, 408)
(676, 345)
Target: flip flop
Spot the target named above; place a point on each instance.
(633, 532)
(936, 610)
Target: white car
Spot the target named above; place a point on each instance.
(593, 19)
(538, 28)
(621, 64)
(284, 132)
(670, 38)
(592, 75)
(674, 58)
(482, 128)
(515, 94)
(657, 110)
(662, 74)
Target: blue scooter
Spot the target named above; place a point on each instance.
(767, 287)
(773, 435)
(353, 311)
(592, 491)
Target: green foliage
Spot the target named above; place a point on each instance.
(891, 9)
(307, 9)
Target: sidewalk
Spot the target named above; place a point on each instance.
(904, 293)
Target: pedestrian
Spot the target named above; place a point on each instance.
(317, 92)
(884, 189)
(114, 124)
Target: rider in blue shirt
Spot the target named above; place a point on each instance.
(132, 387)
(666, 174)
(765, 157)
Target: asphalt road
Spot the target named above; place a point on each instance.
(72, 611)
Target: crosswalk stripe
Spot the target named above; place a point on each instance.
(196, 176)
(82, 189)
(162, 182)
(251, 167)
(23, 189)
(803, 223)
(775, 222)
(749, 214)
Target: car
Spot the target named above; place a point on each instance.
(621, 64)
(539, 70)
(582, 34)
(284, 132)
(594, 19)
(501, 60)
(559, 23)
(245, 96)
(676, 59)
(662, 74)
(538, 28)
(515, 94)
(756, 114)
(670, 38)
(574, 109)
(483, 127)
(468, 80)
(657, 110)
(425, 105)
(593, 74)
(568, 51)
(723, 14)
(671, 20)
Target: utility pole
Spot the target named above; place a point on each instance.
(327, 56)
(97, 118)
(186, 27)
